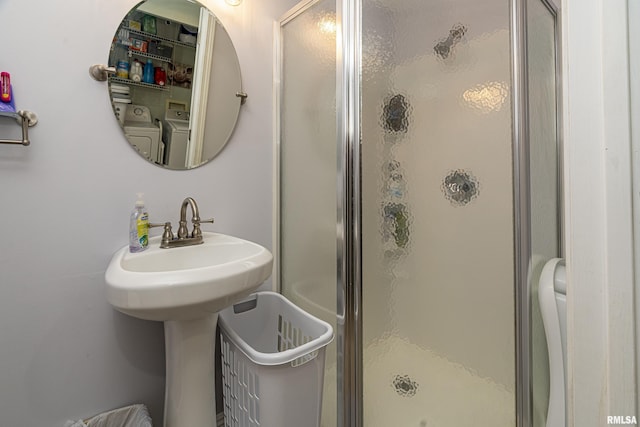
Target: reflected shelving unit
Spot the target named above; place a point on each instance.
(123, 43)
(25, 119)
(149, 36)
(114, 79)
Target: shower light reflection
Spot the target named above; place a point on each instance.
(487, 97)
(327, 25)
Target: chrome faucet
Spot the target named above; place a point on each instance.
(184, 238)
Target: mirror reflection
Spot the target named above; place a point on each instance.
(176, 91)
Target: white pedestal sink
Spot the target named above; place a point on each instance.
(185, 288)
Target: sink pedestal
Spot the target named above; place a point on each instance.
(186, 287)
(190, 395)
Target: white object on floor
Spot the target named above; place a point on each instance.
(272, 363)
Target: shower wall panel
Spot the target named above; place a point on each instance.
(308, 152)
(308, 176)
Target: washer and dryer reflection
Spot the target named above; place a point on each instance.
(175, 135)
(163, 142)
(142, 132)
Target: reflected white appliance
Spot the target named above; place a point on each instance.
(552, 295)
(120, 96)
(142, 132)
(175, 135)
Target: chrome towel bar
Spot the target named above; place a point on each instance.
(26, 119)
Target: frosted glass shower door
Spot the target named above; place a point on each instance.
(307, 153)
(437, 214)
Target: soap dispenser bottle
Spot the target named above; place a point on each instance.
(139, 227)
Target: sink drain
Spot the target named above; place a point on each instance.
(404, 386)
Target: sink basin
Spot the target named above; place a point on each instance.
(186, 287)
(186, 282)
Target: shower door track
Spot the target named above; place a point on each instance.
(521, 213)
(349, 304)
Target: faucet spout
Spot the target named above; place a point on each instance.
(183, 232)
(183, 237)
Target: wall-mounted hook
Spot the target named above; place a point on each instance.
(243, 96)
(101, 72)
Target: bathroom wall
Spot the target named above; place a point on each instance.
(64, 352)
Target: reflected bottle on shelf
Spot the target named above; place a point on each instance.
(135, 73)
(160, 76)
(122, 69)
(147, 76)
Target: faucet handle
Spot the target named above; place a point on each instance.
(196, 226)
(167, 235)
(182, 230)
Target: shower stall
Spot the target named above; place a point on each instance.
(418, 196)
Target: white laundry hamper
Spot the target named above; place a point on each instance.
(272, 363)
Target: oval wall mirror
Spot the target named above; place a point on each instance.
(177, 90)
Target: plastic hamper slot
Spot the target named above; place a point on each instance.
(272, 363)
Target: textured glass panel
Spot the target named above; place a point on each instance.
(308, 173)
(543, 143)
(437, 214)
